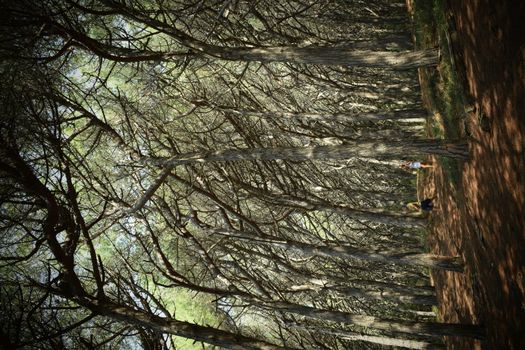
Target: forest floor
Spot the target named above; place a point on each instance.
(477, 94)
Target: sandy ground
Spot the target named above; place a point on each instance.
(483, 220)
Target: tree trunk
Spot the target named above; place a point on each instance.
(405, 298)
(433, 329)
(381, 340)
(329, 56)
(404, 114)
(187, 330)
(375, 215)
(390, 296)
(345, 151)
(389, 286)
(308, 55)
(347, 252)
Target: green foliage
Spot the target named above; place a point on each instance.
(439, 317)
(191, 307)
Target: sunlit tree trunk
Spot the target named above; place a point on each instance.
(381, 340)
(329, 56)
(345, 151)
(404, 114)
(402, 297)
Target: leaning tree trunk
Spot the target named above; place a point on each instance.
(209, 335)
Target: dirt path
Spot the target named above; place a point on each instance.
(484, 219)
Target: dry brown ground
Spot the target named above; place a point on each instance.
(484, 219)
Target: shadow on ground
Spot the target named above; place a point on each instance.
(484, 219)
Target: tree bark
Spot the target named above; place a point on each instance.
(331, 56)
(390, 296)
(307, 55)
(378, 215)
(382, 340)
(402, 114)
(433, 329)
(405, 298)
(188, 330)
(298, 154)
(347, 252)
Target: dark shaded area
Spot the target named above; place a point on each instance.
(484, 220)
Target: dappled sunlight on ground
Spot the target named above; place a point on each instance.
(484, 220)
